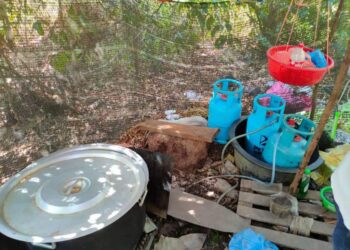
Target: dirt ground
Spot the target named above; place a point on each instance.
(187, 180)
(105, 115)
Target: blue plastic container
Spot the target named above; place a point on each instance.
(225, 107)
(295, 137)
(266, 109)
(318, 58)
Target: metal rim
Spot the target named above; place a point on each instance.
(235, 82)
(286, 117)
(262, 164)
(281, 100)
(330, 61)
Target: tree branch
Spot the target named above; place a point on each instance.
(339, 82)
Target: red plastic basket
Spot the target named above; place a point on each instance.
(286, 73)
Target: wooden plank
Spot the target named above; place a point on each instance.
(267, 217)
(241, 206)
(266, 189)
(293, 241)
(311, 194)
(316, 210)
(205, 213)
(244, 204)
(179, 130)
(246, 185)
(304, 208)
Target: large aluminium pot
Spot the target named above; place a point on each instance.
(252, 166)
(87, 197)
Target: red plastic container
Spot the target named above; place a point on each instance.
(280, 68)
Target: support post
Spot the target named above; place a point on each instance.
(313, 101)
(339, 82)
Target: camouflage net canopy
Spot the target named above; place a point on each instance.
(74, 72)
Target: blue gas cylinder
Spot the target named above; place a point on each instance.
(267, 109)
(225, 107)
(293, 140)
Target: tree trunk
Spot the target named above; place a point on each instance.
(339, 82)
(313, 101)
(331, 37)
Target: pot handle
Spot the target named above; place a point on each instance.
(142, 199)
(45, 245)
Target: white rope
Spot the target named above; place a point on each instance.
(284, 21)
(328, 31)
(344, 90)
(301, 225)
(294, 22)
(317, 21)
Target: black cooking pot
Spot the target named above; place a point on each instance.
(124, 234)
(89, 197)
(11, 244)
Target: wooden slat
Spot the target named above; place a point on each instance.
(179, 130)
(316, 210)
(304, 208)
(311, 194)
(244, 204)
(266, 189)
(293, 241)
(246, 185)
(205, 213)
(267, 217)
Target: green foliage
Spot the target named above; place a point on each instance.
(214, 20)
(38, 27)
(145, 30)
(342, 35)
(219, 42)
(61, 60)
(270, 15)
(141, 37)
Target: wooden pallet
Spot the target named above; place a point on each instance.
(255, 207)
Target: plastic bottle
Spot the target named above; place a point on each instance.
(304, 184)
(299, 58)
(297, 55)
(318, 58)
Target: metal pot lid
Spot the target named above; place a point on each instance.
(72, 193)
